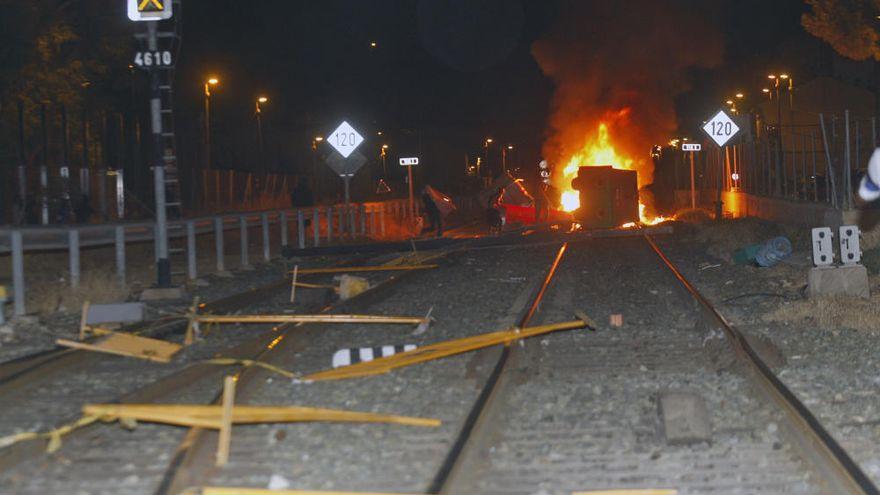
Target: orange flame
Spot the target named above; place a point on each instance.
(597, 151)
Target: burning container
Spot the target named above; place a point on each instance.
(609, 197)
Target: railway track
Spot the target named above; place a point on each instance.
(571, 412)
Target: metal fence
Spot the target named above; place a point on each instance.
(295, 228)
(818, 163)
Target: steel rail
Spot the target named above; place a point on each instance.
(486, 401)
(838, 470)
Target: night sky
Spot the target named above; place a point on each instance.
(455, 71)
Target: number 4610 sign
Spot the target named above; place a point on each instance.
(721, 128)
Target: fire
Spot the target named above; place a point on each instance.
(598, 151)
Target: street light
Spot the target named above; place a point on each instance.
(740, 96)
(258, 112)
(383, 152)
(504, 152)
(486, 152)
(212, 81)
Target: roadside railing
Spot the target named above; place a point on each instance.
(295, 228)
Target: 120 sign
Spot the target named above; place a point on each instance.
(722, 128)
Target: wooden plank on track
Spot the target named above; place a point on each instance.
(124, 344)
(216, 490)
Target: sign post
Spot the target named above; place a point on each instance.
(408, 163)
(345, 140)
(721, 129)
(693, 148)
(152, 11)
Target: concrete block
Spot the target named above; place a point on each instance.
(684, 418)
(161, 293)
(848, 280)
(115, 313)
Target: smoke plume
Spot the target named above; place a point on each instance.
(622, 63)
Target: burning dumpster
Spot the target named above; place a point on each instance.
(609, 197)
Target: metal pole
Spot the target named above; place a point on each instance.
(264, 220)
(847, 184)
(73, 249)
(18, 272)
(410, 180)
(382, 219)
(243, 235)
(693, 183)
(218, 244)
(815, 177)
(329, 224)
(829, 167)
(300, 229)
(44, 172)
(282, 220)
(163, 264)
(119, 244)
(316, 226)
(718, 186)
(22, 164)
(191, 267)
(207, 126)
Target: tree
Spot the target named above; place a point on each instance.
(849, 26)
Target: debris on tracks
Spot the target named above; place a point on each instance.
(126, 344)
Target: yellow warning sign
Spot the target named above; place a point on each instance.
(149, 10)
(150, 6)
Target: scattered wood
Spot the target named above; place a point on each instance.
(317, 318)
(210, 416)
(353, 269)
(216, 490)
(226, 421)
(125, 344)
(636, 491)
(440, 350)
(293, 283)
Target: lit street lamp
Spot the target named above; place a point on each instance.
(486, 152)
(383, 152)
(315, 141)
(258, 113)
(210, 82)
(505, 151)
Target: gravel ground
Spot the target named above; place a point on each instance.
(831, 367)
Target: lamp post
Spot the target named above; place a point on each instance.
(210, 82)
(505, 152)
(315, 141)
(258, 112)
(383, 152)
(486, 144)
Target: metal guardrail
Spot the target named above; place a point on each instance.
(361, 220)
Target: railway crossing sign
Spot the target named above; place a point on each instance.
(721, 128)
(149, 10)
(691, 147)
(345, 139)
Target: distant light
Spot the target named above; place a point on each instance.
(729, 102)
(212, 81)
(510, 146)
(765, 90)
(771, 76)
(373, 44)
(384, 146)
(488, 140)
(734, 176)
(319, 138)
(783, 76)
(379, 133)
(262, 99)
(740, 95)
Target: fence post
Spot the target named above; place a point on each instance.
(815, 177)
(329, 224)
(316, 226)
(382, 219)
(243, 233)
(120, 253)
(301, 229)
(18, 272)
(847, 179)
(264, 219)
(340, 212)
(218, 243)
(372, 214)
(282, 221)
(191, 267)
(362, 210)
(73, 250)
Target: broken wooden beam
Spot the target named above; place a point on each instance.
(440, 350)
(210, 416)
(317, 318)
(353, 269)
(126, 344)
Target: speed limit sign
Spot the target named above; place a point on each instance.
(721, 128)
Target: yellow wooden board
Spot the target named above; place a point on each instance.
(216, 490)
(354, 269)
(440, 350)
(124, 344)
(633, 491)
(210, 416)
